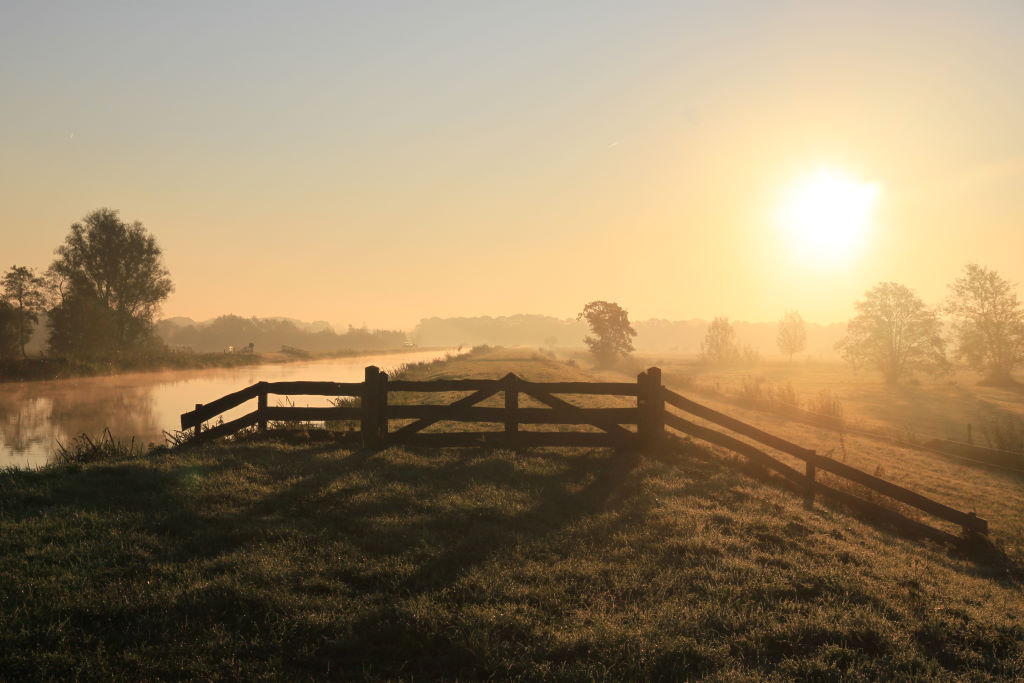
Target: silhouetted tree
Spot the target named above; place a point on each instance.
(612, 333)
(792, 337)
(23, 290)
(988, 322)
(111, 281)
(894, 332)
(9, 321)
(719, 345)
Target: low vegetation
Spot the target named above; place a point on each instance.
(302, 560)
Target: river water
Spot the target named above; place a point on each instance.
(34, 416)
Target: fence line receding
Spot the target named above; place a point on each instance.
(644, 425)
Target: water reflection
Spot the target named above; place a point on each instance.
(35, 415)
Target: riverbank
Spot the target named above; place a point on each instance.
(41, 369)
(36, 416)
(287, 559)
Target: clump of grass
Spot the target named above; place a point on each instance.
(1003, 432)
(784, 395)
(84, 449)
(826, 407)
(751, 391)
(759, 393)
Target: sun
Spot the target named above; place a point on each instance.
(826, 215)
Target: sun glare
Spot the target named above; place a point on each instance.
(826, 216)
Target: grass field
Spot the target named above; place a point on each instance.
(298, 560)
(912, 413)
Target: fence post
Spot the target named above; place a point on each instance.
(650, 403)
(656, 406)
(370, 426)
(511, 402)
(199, 425)
(261, 406)
(382, 405)
(811, 469)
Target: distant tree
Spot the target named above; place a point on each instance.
(23, 291)
(719, 345)
(988, 322)
(9, 339)
(792, 337)
(894, 332)
(111, 280)
(612, 333)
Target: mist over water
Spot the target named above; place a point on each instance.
(34, 416)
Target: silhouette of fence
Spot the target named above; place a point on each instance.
(640, 426)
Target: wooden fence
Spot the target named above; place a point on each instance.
(641, 426)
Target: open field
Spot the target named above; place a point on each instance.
(921, 408)
(301, 560)
(902, 416)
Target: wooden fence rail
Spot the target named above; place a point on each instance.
(640, 426)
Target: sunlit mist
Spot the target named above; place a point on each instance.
(827, 215)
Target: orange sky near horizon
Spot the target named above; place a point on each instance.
(380, 164)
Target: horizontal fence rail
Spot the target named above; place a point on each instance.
(644, 425)
(970, 522)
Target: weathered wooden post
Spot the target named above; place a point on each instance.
(511, 403)
(650, 403)
(656, 407)
(199, 423)
(642, 423)
(810, 471)
(261, 406)
(382, 406)
(370, 426)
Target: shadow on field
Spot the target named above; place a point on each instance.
(309, 561)
(463, 505)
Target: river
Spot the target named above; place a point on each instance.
(34, 416)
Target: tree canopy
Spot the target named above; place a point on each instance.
(111, 282)
(792, 337)
(9, 342)
(894, 332)
(719, 345)
(23, 291)
(988, 322)
(612, 333)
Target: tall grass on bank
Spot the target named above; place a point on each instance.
(84, 449)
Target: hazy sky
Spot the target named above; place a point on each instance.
(381, 162)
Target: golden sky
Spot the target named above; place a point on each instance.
(383, 162)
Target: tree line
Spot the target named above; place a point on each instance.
(98, 297)
(893, 331)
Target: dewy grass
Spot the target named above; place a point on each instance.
(84, 449)
(307, 561)
(257, 561)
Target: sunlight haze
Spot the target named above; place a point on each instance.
(383, 162)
